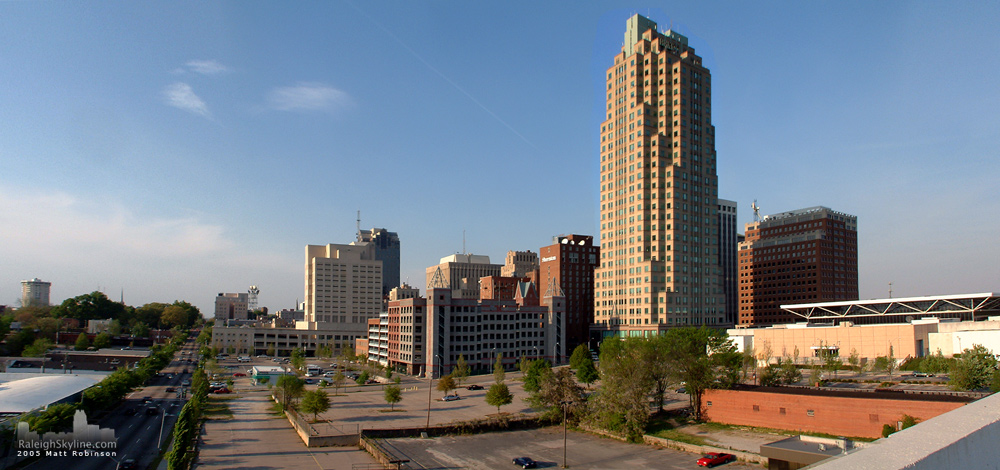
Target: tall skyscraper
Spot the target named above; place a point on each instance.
(728, 244)
(802, 256)
(386, 245)
(659, 263)
(35, 292)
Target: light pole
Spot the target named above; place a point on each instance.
(565, 404)
(430, 382)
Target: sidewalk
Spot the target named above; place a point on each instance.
(255, 438)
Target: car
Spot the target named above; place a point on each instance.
(310, 381)
(452, 398)
(127, 464)
(310, 374)
(171, 389)
(152, 411)
(329, 373)
(474, 387)
(129, 411)
(712, 459)
(186, 383)
(239, 374)
(147, 399)
(525, 462)
(222, 390)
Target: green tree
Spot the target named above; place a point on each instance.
(498, 373)
(790, 373)
(288, 388)
(115, 327)
(102, 340)
(140, 330)
(82, 342)
(298, 358)
(16, 342)
(150, 314)
(461, 370)
(854, 359)
(623, 404)
(324, 351)
(339, 379)
(974, 370)
(38, 348)
(270, 350)
(55, 418)
(393, 395)
(587, 373)
(538, 370)
(315, 402)
(446, 384)
(499, 395)
(363, 378)
(580, 354)
(702, 358)
(92, 306)
(557, 387)
(173, 315)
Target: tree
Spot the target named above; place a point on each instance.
(538, 370)
(499, 395)
(623, 404)
(338, 381)
(324, 351)
(974, 370)
(587, 373)
(498, 372)
(461, 370)
(854, 359)
(557, 388)
(298, 358)
(140, 330)
(38, 348)
(270, 350)
(363, 378)
(289, 387)
(702, 358)
(580, 353)
(102, 340)
(446, 384)
(393, 395)
(82, 342)
(315, 402)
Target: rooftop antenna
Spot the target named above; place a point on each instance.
(359, 225)
(463, 243)
(890, 289)
(756, 211)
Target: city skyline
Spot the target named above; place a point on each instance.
(172, 151)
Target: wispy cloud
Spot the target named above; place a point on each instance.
(180, 95)
(308, 97)
(206, 67)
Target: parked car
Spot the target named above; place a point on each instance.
(450, 398)
(524, 462)
(310, 381)
(239, 374)
(186, 383)
(171, 389)
(127, 464)
(474, 387)
(147, 399)
(222, 390)
(712, 459)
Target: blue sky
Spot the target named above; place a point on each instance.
(175, 150)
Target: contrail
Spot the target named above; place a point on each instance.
(443, 76)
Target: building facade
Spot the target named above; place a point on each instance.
(519, 264)
(461, 273)
(35, 292)
(568, 265)
(343, 290)
(386, 246)
(659, 263)
(802, 256)
(429, 334)
(728, 262)
(231, 306)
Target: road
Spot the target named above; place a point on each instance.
(137, 434)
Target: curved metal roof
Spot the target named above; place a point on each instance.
(24, 395)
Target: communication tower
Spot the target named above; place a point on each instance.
(252, 298)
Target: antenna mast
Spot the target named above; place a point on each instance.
(463, 243)
(359, 225)
(756, 211)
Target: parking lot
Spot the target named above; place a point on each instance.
(545, 446)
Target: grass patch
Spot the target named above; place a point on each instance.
(663, 427)
(783, 432)
(277, 411)
(217, 409)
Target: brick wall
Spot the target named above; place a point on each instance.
(837, 414)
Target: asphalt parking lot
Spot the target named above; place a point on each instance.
(497, 450)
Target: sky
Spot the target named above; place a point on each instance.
(173, 150)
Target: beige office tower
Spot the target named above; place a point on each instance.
(659, 189)
(343, 289)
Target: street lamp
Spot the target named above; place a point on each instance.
(565, 404)
(430, 382)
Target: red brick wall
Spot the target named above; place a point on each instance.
(839, 416)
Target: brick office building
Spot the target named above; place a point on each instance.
(802, 256)
(569, 263)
